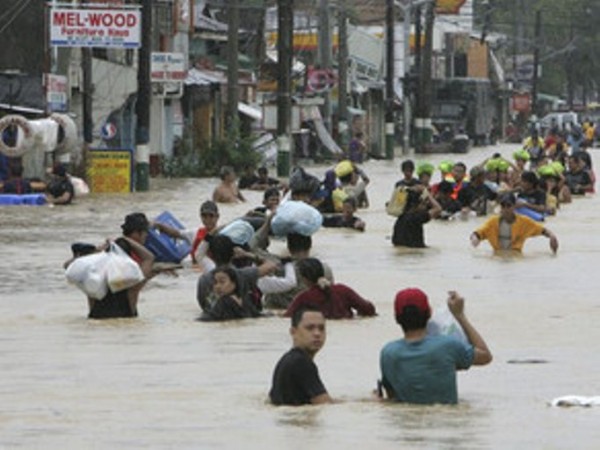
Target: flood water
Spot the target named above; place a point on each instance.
(164, 380)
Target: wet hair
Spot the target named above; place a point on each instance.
(299, 313)
(298, 242)
(225, 171)
(461, 165)
(135, 222)
(412, 318)
(232, 274)
(220, 248)
(270, 192)
(530, 177)
(407, 165)
(311, 269)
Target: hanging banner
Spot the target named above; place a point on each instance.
(95, 27)
(110, 171)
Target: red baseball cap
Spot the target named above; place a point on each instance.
(411, 297)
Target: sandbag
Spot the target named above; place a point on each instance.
(122, 272)
(88, 273)
(239, 231)
(296, 217)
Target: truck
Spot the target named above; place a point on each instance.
(463, 106)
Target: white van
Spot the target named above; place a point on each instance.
(559, 119)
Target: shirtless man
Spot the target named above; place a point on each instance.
(227, 191)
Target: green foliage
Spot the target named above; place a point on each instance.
(569, 50)
(206, 160)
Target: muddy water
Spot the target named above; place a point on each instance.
(166, 381)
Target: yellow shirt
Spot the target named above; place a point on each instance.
(522, 228)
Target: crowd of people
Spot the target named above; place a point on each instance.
(240, 278)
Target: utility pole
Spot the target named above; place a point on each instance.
(405, 91)
(536, 61)
(233, 26)
(344, 132)
(285, 38)
(570, 76)
(325, 56)
(142, 106)
(87, 120)
(389, 80)
(423, 113)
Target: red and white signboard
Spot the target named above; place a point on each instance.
(167, 67)
(56, 92)
(95, 27)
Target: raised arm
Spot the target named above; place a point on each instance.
(456, 304)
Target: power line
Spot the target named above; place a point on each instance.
(11, 20)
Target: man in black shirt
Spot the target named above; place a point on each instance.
(296, 378)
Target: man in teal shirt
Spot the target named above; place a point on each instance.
(422, 368)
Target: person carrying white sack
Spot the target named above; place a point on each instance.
(123, 302)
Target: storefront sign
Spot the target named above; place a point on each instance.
(110, 171)
(167, 67)
(95, 27)
(56, 92)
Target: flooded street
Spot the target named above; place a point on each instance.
(165, 380)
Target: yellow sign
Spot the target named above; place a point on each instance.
(110, 171)
(448, 6)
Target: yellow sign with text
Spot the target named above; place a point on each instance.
(109, 171)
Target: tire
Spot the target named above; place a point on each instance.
(69, 133)
(26, 132)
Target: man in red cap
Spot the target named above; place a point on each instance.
(421, 368)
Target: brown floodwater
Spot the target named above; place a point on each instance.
(164, 380)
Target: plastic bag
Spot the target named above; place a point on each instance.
(296, 217)
(88, 273)
(442, 322)
(239, 231)
(80, 187)
(337, 197)
(395, 207)
(122, 272)
(344, 168)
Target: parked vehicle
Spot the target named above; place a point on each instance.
(561, 120)
(464, 106)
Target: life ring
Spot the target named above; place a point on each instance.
(23, 144)
(320, 80)
(67, 133)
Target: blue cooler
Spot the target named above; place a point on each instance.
(165, 248)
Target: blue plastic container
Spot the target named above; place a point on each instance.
(537, 216)
(23, 199)
(165, 248)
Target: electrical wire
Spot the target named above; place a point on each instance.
(14, 17)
